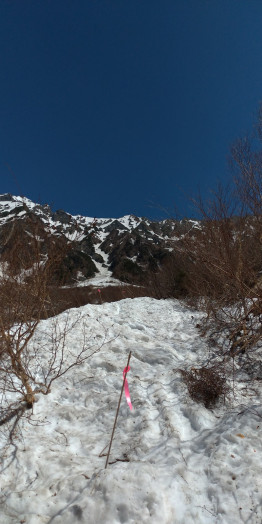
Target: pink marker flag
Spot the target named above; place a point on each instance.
(127, 394)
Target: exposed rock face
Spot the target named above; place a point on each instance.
(75, 266)
(115, 224)
(131, 247)
(6, 197)
(62, 217)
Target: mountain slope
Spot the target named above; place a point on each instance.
(129, 248)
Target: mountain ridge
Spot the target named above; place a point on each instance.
(125, 249)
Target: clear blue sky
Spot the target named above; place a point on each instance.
(111, 107)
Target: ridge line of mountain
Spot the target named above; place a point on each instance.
(128, 248)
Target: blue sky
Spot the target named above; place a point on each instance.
(111, 107)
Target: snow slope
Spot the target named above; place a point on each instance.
(172, 460)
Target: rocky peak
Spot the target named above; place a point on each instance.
(129, 247)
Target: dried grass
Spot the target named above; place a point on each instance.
(205, 385)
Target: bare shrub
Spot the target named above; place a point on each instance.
(29, 365)
(222, 259)
(219, 255)
(62, 298)
(115, 293)
(205, 385)
(170, 279)
(222, 256)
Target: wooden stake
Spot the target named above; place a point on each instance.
(117, 411)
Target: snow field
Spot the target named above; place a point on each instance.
(172, 460)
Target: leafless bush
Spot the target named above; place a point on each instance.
(169, 280)
(220, 257)
(205, 385)
(28, 364)
(62, 298)
(222, 254)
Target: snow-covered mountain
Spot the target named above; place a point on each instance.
(13, 207)
(126, 248)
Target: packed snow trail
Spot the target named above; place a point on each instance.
(172, 460)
